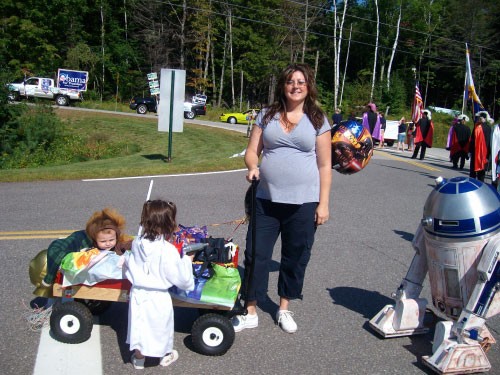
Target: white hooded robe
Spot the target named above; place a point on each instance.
(153, 267)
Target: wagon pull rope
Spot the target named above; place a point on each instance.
(147, 198)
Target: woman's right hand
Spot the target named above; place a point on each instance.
(252, 173)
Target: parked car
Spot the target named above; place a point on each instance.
(192, 110)
(451, 112)
(238, 118)
(145, 105)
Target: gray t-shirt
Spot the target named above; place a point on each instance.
(289, 169)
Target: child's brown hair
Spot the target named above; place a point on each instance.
(158, 219)
(105, 221)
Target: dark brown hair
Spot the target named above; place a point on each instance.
(158, 219)
(311, 109)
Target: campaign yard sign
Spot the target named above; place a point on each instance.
(72, 79)
(45, 85)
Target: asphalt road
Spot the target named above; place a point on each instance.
(359, 258)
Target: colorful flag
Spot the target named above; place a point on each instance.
(470, 91)
(418, 105)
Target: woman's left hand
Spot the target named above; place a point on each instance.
(321, 215)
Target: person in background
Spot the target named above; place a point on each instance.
(371, 120)
(424, 134)
(459, 142)
(295, 173)
(495, 154)
(337, 117)
(410, 136)
(382, 129)
(480, 146)
(401, 134)
(251, 121)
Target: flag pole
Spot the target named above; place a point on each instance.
(465, 88)
(413, 109)
(473, 117)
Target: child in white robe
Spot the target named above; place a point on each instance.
(153, 266)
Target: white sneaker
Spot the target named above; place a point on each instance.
(169, 358)
(240, 322)
(138, 363)
(285, 321)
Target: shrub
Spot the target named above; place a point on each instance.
(34, 136)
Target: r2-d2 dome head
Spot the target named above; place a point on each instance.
(462, 209)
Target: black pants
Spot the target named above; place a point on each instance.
(478, 175)
(296, 225)
(417, 148)
(459, 156)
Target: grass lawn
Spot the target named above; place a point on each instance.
(198, 148)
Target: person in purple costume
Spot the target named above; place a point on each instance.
(371, 120)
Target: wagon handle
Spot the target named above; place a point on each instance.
(252, 221)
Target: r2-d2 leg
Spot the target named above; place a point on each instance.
(406, 317)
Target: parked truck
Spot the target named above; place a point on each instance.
(69, 87)
(39, 87)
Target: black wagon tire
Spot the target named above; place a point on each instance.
(210, 311)
(232, 120)
(96, 307)
(390, 143)
(62, 100)
(142, 109)
(71, 322)
(212, 334)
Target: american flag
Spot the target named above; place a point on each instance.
(418, 105)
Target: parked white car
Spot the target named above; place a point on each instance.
(451, 112)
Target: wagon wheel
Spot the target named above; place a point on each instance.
(71, 322)
(212, 334)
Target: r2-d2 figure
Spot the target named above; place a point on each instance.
(458, 244)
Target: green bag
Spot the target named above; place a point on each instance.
(223, 287)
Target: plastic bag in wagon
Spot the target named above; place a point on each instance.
(221, 289)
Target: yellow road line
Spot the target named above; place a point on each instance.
(30, 237)
(34, 234)
(37, 232)
(409, 161)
